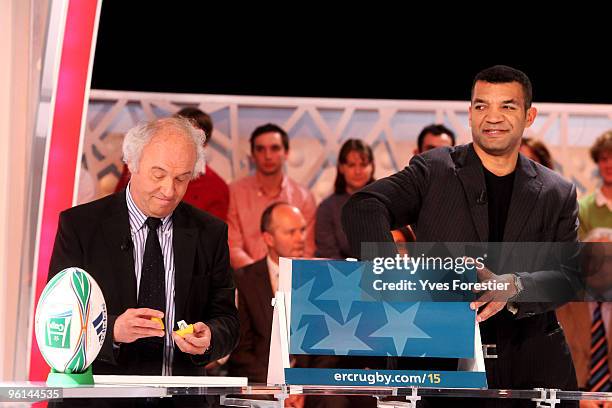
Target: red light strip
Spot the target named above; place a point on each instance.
(72, 88)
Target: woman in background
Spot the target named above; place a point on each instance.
(355, 169)
(537, 151)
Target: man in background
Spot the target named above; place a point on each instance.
(432, 136)
(588, 325)
(283, 231)
(251, 195)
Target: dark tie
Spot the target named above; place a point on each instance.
(599, 372)
(152, 290)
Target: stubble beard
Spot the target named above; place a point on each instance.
(496, 149)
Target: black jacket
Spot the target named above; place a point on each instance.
(95, 237)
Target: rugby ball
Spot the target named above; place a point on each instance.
(70, 322)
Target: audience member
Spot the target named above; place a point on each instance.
(432, 136)
(283, 231)
(355, 169)
(250, 195)
(587, 324)
(537, 151)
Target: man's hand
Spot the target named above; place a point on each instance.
(295, 401)
(495, 300)
(195, 343)
(136, 324)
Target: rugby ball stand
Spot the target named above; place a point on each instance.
(58, 379)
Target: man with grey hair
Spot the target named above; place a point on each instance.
(155, 257)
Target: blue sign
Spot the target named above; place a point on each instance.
(337, 310)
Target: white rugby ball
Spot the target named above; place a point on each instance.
(70, 322)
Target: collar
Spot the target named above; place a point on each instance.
(466, 156)
(138, 218)
(260, 191)
(273, 268)
(601, 200)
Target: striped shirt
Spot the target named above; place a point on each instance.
(139, 232)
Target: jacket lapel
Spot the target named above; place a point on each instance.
(525, 194)
(184, 242)
(263, 286)
(117, 235)
(469, 170)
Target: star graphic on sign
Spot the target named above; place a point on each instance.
(300, 301)
(345, 289)
(297, 340)
(401, 327)
(342, 337)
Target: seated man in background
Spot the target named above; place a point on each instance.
(283, 229)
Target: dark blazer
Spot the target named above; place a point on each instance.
(440, 191)
(96, 237)
(250, 358)
(255, 309)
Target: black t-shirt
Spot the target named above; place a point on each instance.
(499, 194)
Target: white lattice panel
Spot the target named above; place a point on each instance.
(318, 127)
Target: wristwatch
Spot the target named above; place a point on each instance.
(511, 304)
(519, 286)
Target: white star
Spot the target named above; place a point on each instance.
(345, 289)
(341, 337)
(400, 327)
